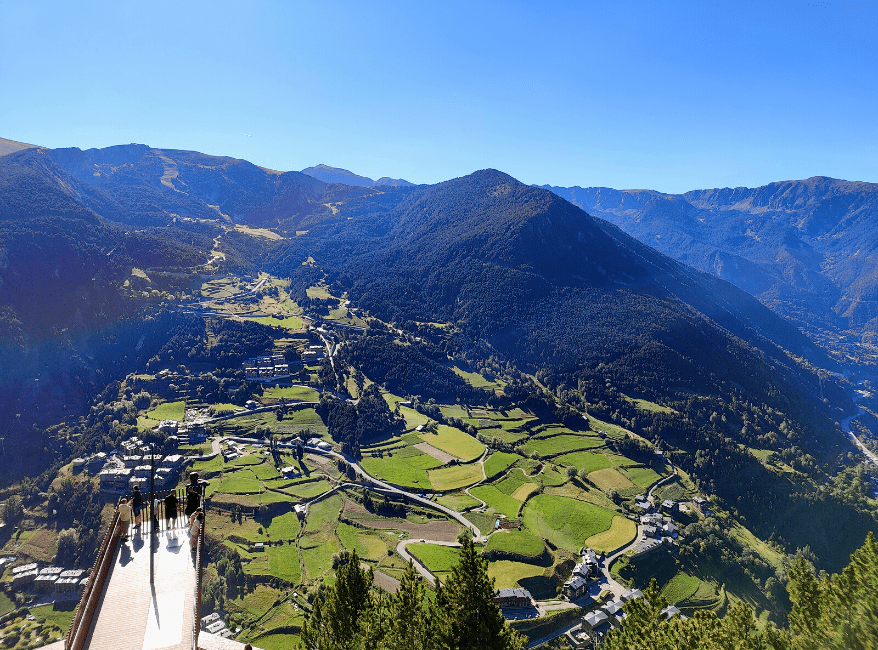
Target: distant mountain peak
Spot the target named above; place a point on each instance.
(11, 146)
(329, 174)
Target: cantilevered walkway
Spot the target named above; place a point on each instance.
(144, 593)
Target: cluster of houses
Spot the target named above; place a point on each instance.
(122, 473)
(51, 578)
(184, 434)
(269, 366)
(583, 573)
(596, 623)
(214, 624)
(313, 353)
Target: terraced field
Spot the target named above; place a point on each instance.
(455, 442)
(565, 522)
(621, 531)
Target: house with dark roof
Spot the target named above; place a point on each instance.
(513, 597)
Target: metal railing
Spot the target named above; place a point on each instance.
(82, 620)
(199, 571)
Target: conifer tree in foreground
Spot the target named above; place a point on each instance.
(351, 616)
(468, 617)
(838, 612)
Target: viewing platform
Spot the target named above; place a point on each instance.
(141, 615)
(144, 592)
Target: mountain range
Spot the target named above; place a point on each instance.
(511, 275)
(807, 249)
(329, 174)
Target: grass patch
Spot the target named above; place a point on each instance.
(621, 531)
(285, 526)
(507, 573)
(455, 442)
(520, 542)
(476, 380)
(439, 559)
(565, 522)
(500, 502)
(168, 411)
(454, 477)
(459, 501)
(279, 561)
(681, 587)
(407, 467)
(308, 489)
(301, 393)
(609, 479)
(368, 546)
(290, 322)
(499, 462)
(318, 559)
(240, 482)
(641, 476)
(584, 460)
(454, 411)
(524, 491)
(560, 444)
(483, 521)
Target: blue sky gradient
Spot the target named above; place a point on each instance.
(669, 96)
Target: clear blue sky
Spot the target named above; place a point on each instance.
(662, 95)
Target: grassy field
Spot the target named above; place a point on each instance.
(407, 467)
(584, 460)
(499, 462)
(301, 393)
(278, 561)
(609, 479)
(166, 411)
(453, 411)
(455, 442)
(292, 423)
(565, 522)
(524, 491)
(497, 500)
(681, 587)
(621, 531)
(439, 559)
(651, 407)
(240, 482)
(560, 444)
(169, 411)
(454, 477)
(641, 476)
(509, 574)
(369, 545)
(458, 501)
(320, 292)
(476, 380)
(516, 541)
(293, 323)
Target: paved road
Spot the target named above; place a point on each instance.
(368, 478)
(846, 427)
(408, 557)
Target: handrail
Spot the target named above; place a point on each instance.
(199, 571)
(81, 623)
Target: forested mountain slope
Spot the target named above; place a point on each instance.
(805, 248)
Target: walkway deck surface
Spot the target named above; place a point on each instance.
(137, 615)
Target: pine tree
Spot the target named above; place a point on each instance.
(467, 617)
(408, 617)
(337, 623)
